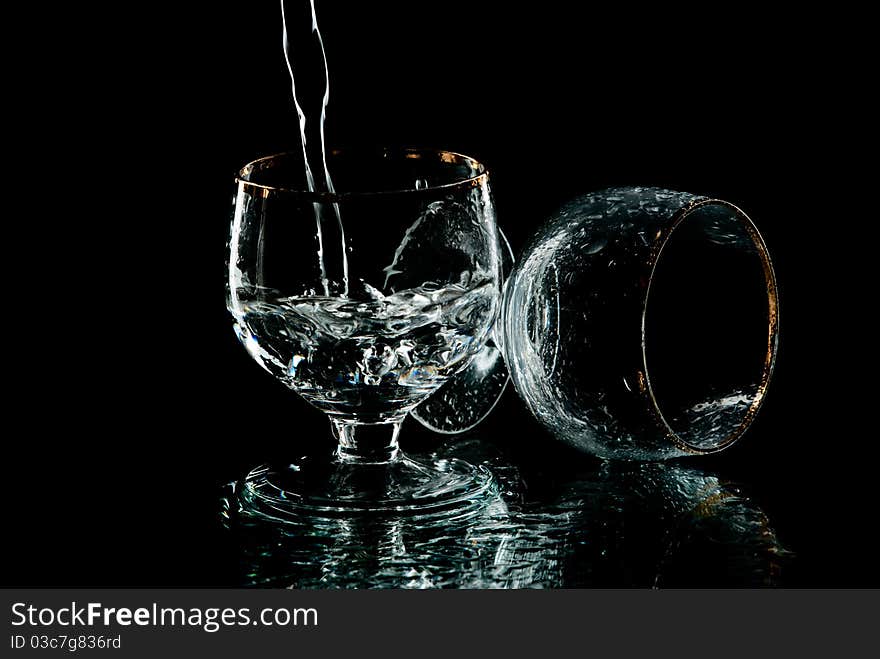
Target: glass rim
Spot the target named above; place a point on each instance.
(772, 328)
(444, 155)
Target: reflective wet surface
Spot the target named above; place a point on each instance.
(592, 524)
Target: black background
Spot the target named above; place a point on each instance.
(131, 401)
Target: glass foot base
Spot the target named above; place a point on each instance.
(327, 487)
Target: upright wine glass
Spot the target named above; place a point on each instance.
(364, 302)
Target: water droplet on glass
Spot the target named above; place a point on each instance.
(470, 396)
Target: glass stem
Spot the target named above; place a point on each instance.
(366, 443)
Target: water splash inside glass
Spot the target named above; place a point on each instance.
(471, 395)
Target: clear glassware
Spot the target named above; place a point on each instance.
(364, 302)
(471, 395)
(642, 323)
(591, 524)
(639, 324)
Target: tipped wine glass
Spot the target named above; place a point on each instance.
(364, 302)
(639, 324)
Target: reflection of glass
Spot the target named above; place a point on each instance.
(642, 323)
(615, 525)
(364, 303)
